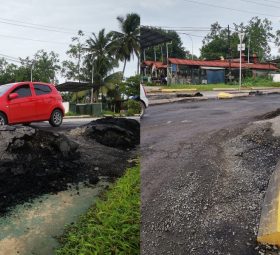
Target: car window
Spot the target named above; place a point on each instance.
(41, 89)
(4, 88)
(23, 91)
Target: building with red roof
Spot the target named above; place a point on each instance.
(187, 71)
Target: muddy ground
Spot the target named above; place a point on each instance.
(35, 162)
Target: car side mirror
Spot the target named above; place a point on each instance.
(13, 96)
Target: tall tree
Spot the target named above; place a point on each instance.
(44, 67)
(258, 34)
(127, 42)
(100, 59)
(72, 69)
(216, 43)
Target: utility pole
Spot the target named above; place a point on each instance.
(229, 55)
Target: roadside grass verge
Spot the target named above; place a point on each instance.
(112, 225)
(247, 83)
(210, 87)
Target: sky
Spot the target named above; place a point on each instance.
(202, 13)
(20, 38)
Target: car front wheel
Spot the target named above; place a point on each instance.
(3, 119)
(56, 118)
(143, 108)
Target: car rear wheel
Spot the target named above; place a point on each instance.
(143, 108)
(3, 119)
(56, 118)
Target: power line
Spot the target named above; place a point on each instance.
(38, 28)
(38, 25)
(192, 35)
(29, 39)
(231, 9)
(262, 4)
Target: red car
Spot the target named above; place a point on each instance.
(26, 102)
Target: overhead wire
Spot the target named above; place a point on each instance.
(30, 39)
(258, 3)
(231, 9)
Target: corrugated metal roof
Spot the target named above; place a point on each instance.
(219, 63)
(157, 64)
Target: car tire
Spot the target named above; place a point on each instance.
(143, 108)
(3, 119)
(56, 118)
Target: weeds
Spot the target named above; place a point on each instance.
(112, 226)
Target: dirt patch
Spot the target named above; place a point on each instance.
(35, 162)
(269, 115)
(213, 205)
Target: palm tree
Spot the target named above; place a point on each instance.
(100, 58)
(127, 42)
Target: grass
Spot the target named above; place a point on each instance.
(247, 83)
(71, 114)
(112, 225)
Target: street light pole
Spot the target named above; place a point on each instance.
(241, 37)
(191, 40)
(31, 74)
(167, 60)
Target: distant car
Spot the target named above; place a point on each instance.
(26, 102)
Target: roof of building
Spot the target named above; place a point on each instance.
(224, 64)
(151, 36)
(157, 64)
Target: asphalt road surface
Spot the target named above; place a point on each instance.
(183, 182)
(67, 124)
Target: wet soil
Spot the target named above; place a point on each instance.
(36, 162)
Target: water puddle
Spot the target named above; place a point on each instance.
(30, 229)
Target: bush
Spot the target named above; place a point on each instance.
(132, 107)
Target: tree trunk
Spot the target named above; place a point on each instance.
(124, 68)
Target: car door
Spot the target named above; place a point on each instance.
(43, 100)
(22, 109)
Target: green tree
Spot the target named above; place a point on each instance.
(258, 34)
(44, 67)
(72, 69)
(216, 43)
(7, 71)
(100, 58)
(127, 42)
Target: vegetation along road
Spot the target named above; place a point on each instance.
(205, 167)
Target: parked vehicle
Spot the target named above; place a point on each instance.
(26, 102)
(143, 100)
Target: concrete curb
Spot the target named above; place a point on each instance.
(173, 98)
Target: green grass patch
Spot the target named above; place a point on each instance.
(71, 114)
(210, 87)
(207, 87)
(112, 225)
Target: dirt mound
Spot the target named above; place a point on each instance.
(34, 162)
(114, 132)
(269, 115)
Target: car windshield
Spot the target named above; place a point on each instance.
(4, 88)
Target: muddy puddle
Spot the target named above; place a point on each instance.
(32, 228)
